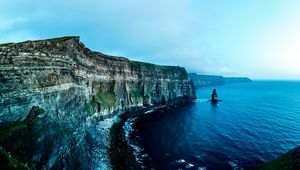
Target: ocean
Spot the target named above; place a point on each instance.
(254, 123)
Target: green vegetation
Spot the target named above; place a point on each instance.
(135, 94)
(88, 108)
(103, 99)
(106, 98)
(19, 125)
(14, 129)
(8, 162)
(11, 129)
(287, 161)
(137, 64)
(149, 66)
(54, 40)
(60, 39)
(5, 44)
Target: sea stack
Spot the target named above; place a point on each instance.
(214, 96)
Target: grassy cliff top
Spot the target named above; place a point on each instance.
(287, 161)
(61, 39)
(53, 40)
(153, 66)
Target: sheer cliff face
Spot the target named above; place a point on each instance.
(53, 91)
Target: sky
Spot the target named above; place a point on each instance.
(255, 38)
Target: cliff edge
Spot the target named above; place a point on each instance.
(53, 92)
(201, 80)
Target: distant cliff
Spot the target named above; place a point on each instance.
(206, 80)
(53, 92)
(236, 79)
(213, 80)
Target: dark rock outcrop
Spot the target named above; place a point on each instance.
(214, 80)
(214, 96)
(287, 161)
(52, 92)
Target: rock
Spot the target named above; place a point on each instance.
(214, 80)
(53, 91)
(287, 161)
(214, 96)
(206, 80)
(236, 80)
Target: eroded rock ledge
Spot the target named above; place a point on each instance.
(52, 92)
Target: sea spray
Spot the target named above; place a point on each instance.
(133, 141)
(100, 149)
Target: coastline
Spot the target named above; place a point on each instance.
(120, 152)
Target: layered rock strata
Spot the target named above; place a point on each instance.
(53, 92)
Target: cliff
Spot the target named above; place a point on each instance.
(214, 80)
(206, 80)
(53, 93)
(287, 161)
(236, 80)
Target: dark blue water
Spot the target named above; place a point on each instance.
(254, 123)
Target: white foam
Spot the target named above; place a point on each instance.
(189, 165)
(137, 150)
(201, 100)
(180, 161)
(149, 111)
(234, 165)
(100, 150)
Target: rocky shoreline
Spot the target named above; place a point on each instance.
(121, 153)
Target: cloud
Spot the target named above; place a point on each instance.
(162, 32)
(9, 23)
(17, 37)
(228, 71)
(203, 36)
(12, 29)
